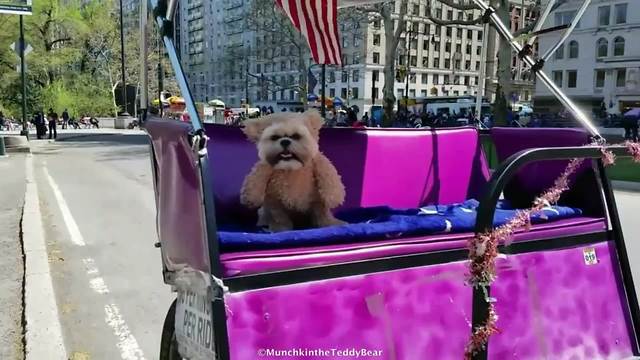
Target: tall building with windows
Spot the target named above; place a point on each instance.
(212, 38)
(217, 49)
(599, 64)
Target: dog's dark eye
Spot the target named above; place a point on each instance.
(295, 136)
(275, 137)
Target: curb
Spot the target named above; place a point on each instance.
(626, 186)
(18, 149)
(43, 332)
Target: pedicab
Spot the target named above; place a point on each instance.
(561, 287)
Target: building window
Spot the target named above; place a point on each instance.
(449, 15)
(600, 76)
(604, 13)
(447, 47)
(424, 78)
(618, 46)
(412, 78)
(557, 78)
(436, 79)
(479, 35)
(376, 75)
(332, 92)
(354, 93)
(345, 76)
(412, 93)
(446, 79)
(560, 53)
(602, 48)
(621, 13)
(416, 9)
(572, 79)
(621, 77)
(376, 39)
(376, 58)
(447, 63)
(436, 63)
(343, 93)
(573, 50)
(425, 45)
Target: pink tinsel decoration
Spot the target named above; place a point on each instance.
(608, 158)
(634, 149)
(482, 334)
(483, 251)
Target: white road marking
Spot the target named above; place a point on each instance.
(90, 265)
(98, 285)
(43, 333)
(129, 349)
(127, 343)
(72, 226)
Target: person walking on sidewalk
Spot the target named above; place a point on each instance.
(65, 119)
(53, 122)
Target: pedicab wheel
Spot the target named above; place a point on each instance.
(168, 343)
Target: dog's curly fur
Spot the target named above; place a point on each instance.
(293, 185)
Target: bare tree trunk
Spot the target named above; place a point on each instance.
(388, 97)
(392, 38)
(504, 87)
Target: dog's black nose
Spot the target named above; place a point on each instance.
(285, 143)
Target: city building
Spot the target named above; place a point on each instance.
(211, 38)
(599, 64)
(225, 59)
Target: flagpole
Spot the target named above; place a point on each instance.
(323, 106)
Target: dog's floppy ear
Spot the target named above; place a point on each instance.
(253, 128)
(314, 120)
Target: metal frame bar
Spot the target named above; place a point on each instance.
(487, 208)
(567, 32)
(505, 33)
(220, 333)
(361, 267)
(542, 20)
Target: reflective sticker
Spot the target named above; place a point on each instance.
(590, 257)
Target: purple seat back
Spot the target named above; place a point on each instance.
(398, 168)
(536, 177)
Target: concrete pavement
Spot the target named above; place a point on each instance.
(12, 189)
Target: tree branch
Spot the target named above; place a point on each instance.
(461, 6)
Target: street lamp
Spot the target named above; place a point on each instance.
(124, 82)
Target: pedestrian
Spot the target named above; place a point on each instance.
(41, 129)
(53, 122)
(1, 121)
(365, 119)
(65, 119)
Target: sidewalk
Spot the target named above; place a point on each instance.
(12, 190)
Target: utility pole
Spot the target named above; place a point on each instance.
(25, 126)
(408, 58)
(323, 78)
(124, 82)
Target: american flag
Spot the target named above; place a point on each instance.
(317, 20)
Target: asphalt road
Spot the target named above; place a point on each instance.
(105, 270)
(99, 217)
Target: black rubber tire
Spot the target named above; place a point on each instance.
(168, 344)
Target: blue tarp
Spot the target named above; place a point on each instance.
(376, 223)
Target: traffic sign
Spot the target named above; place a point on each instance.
(20, 7)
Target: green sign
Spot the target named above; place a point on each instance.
(22, 7)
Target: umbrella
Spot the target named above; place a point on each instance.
(312, 97)
(217, 103)
(337, 101)
(635, 112)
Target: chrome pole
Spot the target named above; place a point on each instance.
(555, 90)
(567, 32)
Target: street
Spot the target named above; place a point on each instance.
(98, 212)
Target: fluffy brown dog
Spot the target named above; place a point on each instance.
(293, 185)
